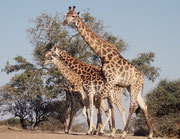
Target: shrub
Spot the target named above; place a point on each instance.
(11, 122)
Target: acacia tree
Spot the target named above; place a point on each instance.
(26, 96)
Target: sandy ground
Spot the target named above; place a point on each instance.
(9, 133)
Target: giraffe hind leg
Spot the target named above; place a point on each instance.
(122, 112)
(134, 92)
(143, 106)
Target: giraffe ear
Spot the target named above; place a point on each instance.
(78, 13)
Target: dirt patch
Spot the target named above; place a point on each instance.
(14, 133)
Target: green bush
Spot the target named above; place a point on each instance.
(51, 125)
(11, 122)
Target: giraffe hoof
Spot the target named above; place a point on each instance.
(95, 133)
(87, 133)
(111, 136)
(122, 137)
(149, 138)
(101, 133)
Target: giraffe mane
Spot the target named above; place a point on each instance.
(83, 63)
(96, 35)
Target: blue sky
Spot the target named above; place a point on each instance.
(144, 25)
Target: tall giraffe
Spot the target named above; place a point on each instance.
(116, 69)
(92, 75)
(76, 81)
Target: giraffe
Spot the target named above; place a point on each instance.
(74, 79)
(116, 69)
(92, 74)
(77, 83)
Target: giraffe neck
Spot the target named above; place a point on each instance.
(76, 65)
(101, 47)
(66, 72)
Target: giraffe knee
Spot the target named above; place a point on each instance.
(123, 112)
(132, 108)
(84, 112)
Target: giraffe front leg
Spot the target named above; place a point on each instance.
(108, 117)
(85, 114)
(105, 92)
(67, 121)
(91, 114)
(111, 103)
(99, 120)
(106, 110)
(72, 112)
(131, 111)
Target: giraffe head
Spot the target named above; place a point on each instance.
(50, 52)
(49, 56)
(71, 16)
(48, 60)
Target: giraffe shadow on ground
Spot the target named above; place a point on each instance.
(80, 134)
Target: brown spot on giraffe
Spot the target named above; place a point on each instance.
(109, 49)
(104, 52)
(82, 26)
(121, 69)
(124, 62)
(95, 48)
(99, 51)
(119, 62)
(117, 65)
(110, 56)
(126, 67)
(98, 42)
(123, 75)
(92, 36)
(91, 42)
(75, 62)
